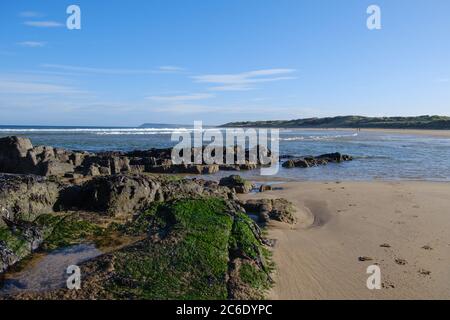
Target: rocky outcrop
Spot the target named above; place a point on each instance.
(25, 197)
(185, 249)
(115, 195)
(17, 240)
(126, 195)
(17, 155)
(311, 161)
(236, 183)
(271, 209)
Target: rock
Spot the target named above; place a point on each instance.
(56, 168)
(289, 164)
(118, 195)
(104, 170)
(17, 240)
(135, 169)
(265, 187)
(210, 169)
(310, 161)
(7, 257)
(228, 167)
(26, 230)
(120, 165)
(282, 210)
(248, 166)
(26, 197)
(92, 171)
(15, 155)
(77, 158)
(72, 175)
(236, 183)
(271, 209)
(335, 157)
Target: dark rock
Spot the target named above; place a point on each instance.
(265, 187)
(18, 239)
(275, 209)
(16, 155)
(118, 195)
(310, 161)
(236, 183)
(335, 157)
(26, 197)
(7, 257)
(56, 168)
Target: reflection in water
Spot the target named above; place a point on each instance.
(49, 272)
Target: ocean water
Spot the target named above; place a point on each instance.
(378, 155)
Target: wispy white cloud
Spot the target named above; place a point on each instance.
(32, 44)
(170, 69)
(30, 14)
(19, 87)
(179, 98)
(245, 80)
(44, 24)
(108, 71)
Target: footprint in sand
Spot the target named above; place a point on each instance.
(364, 258)
(387, 285)
(424, 272)
(427, 247)
(400, 262)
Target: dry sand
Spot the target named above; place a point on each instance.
(403, 226)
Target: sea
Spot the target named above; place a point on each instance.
(377, 155)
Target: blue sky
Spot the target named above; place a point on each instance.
(176, 61)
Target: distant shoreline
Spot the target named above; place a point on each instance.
(426, 132)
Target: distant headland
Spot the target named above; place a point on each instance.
(419, 122)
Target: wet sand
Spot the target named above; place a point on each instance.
(401, 226)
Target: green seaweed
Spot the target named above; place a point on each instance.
(15, 242)
(67, 230)
(191, 262)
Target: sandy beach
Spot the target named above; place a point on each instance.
(419, 132)
(401, 226)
